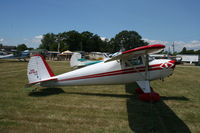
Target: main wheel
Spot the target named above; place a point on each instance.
(150, 97)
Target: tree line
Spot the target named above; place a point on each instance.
(185, 51)
(19, 47)
(87, 41)
(90, 42)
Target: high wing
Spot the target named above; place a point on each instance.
(149, 49)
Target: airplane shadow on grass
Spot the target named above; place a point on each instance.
(143, 117)
(155, 117)
(46, 92)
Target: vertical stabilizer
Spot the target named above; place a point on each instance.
(38, 70)
(75, 59)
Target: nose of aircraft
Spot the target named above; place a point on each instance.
(168, 64)
(172, 64)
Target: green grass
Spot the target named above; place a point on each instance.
(100, 109)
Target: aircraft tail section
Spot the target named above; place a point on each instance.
(75, 59)
(38, 70)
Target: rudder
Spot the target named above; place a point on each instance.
(74, 61)
(38, 69)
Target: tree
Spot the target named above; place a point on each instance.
(110, 46)
(127, 40)
(87, 41)
(197, 52)
(49, 42)
(72, 40)
(184, 51)
(190, 52)
(21, 47)
(105, 46)
(92, 42)
(30, 48)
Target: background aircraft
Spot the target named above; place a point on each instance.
(126, 67)
(77, 61)
(17, 55)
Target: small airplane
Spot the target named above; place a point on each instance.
(17, 55)
(77, 61)
(126, 67)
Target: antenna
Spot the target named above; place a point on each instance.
(173, 47)
(169, 50)
(122, 49)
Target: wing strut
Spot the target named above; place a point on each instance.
(144, 84)
(146, 66)
(148, 93)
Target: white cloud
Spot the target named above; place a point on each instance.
(34, 41)
(194, 44)
(1, 39)
(178, 45)
(104, 38)
(156, 41)
(37, 39)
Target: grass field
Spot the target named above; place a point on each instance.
(82, 109)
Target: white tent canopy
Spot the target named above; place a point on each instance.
(67, 52)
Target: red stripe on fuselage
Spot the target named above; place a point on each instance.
(118, 72)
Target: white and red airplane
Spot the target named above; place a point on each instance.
(127, 67)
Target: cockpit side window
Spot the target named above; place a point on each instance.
(151, 58)
(134, 62)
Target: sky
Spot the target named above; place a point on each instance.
(157, 21)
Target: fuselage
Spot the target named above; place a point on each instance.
(115, 72)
